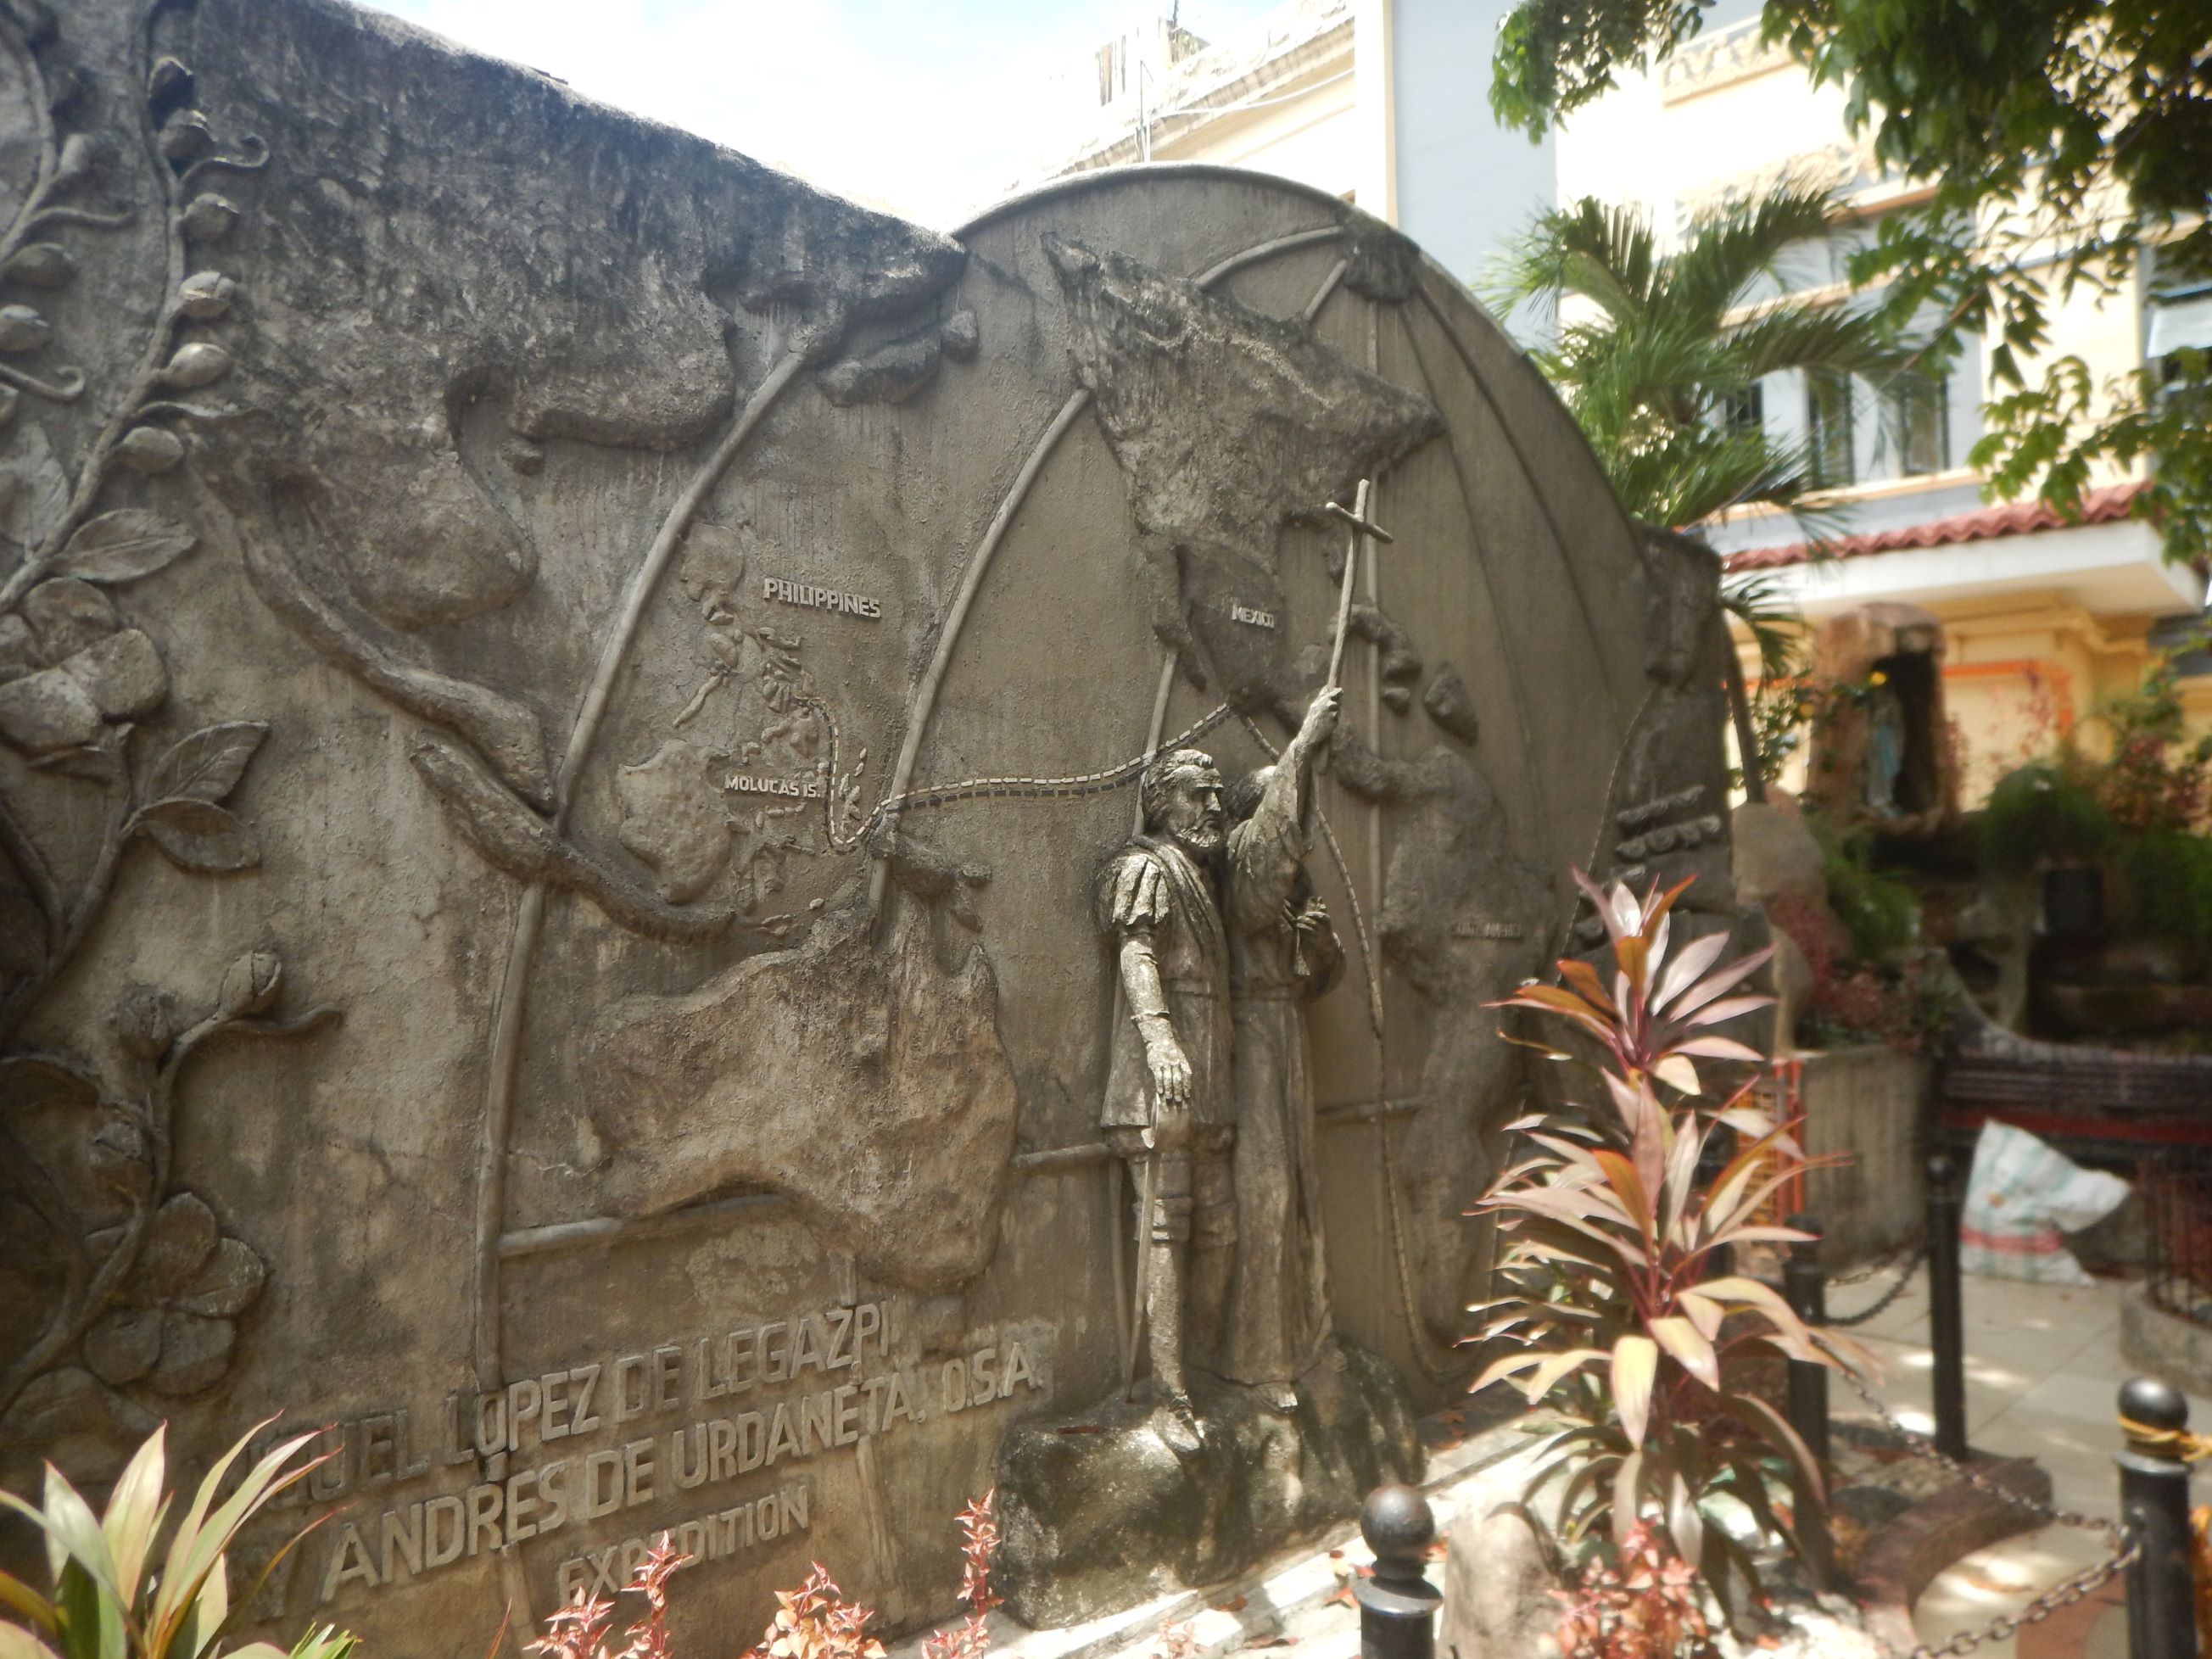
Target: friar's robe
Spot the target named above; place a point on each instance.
(1279, 1320)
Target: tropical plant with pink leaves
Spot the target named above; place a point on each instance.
(1612, 1311)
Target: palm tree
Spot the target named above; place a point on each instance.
(1656, 354)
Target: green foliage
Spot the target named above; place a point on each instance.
(2166, 876)
(1882, 917)
(2065, 144)
(2038, 812)
(2138, 804)
(1771, 617)
(1554, 56)
(108, 1601)
(2156, 778)
(2056, 436)
(1671, 338)
(1614, 1317)
(1774, 708)
(1913, 1005)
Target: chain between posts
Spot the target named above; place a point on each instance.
(1910, 1247)
(2124, 1544)
(1903, 1279)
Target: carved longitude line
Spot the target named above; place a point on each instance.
(1543, 504)
(1571, 902)
(972, 579)
(979, 563)
(1321, 297)
(1530, 769)
(530, 916)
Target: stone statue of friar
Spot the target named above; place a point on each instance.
(1168, 1109)
(1283, 953)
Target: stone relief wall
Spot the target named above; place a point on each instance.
(560, 693)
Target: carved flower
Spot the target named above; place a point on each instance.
(174, 1321)
(249, 984)
(69, 665)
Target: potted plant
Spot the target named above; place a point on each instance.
(1619, 1321)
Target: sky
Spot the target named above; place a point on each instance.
(931, 110)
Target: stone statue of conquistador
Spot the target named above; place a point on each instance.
(1168, 1109)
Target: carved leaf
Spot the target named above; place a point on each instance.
(228, 1285)
(31, 1080)
(67, 1407)
(207, 765)
(99, 763)
(122, 1346)
(35, 491)
(180, 1241)
(197, 834)
(123, 545)
(195, 1352)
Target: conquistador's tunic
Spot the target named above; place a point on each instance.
(1154, 890)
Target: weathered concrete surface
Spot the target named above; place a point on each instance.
(560, 693)
(1504, 1594)
(1097, 1512)
(1870, 1105)
(908, 1161)
(2162, 1344)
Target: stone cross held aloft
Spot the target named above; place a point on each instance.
(1355, 516)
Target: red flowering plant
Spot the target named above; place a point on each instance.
(816, 1621)
(579, 1631)
(979, 1542)
(1614, 1317)
(1645, 1608)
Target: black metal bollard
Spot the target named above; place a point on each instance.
(1398, 1605)
(1807, 1293)
(1947, 1331)
(2154, 1509)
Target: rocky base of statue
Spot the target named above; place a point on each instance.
(1099, 1514)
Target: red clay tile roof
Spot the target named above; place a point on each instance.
(1984, 523)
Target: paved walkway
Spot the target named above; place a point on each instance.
(2042, 1372)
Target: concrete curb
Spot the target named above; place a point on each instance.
(1297, 1580)
(1902, 1558)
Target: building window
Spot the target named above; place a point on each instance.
(1917, 414)
(1743, 413)
(1828, 434)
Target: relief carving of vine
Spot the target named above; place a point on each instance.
(130, 1281)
